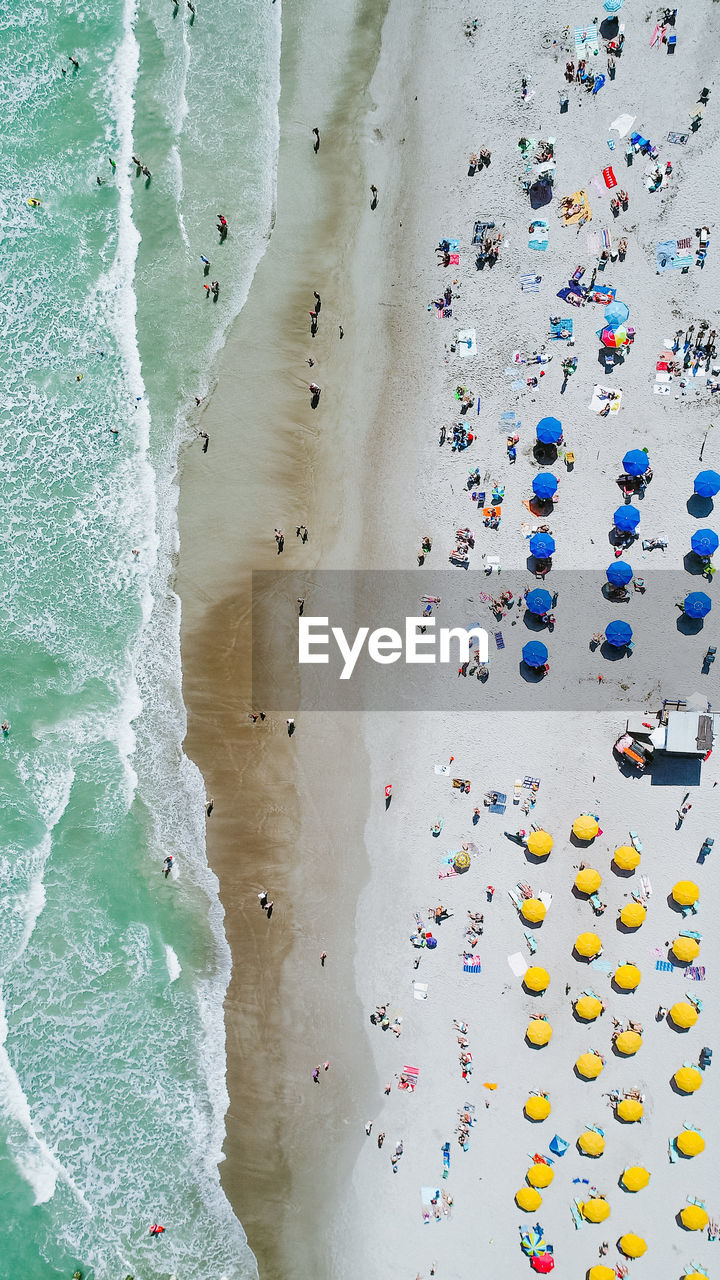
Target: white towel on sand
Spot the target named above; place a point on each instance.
(518, 964)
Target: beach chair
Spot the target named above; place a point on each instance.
(696, 1001)
(446, 1159)
(636, 842)
(672, 1151)
(646, 886)
(532, 942)
(515, 899)
(576, 1215)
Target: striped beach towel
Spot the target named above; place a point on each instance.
(696, 972)
(471, 963)
(663, 965)
(530, 283)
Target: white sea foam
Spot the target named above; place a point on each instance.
(174, 967)
(32, 1155)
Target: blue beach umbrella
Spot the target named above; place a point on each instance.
(542, 545)
(612, 6)
(619, 573)
(704, 542)
(636, 462)
(697, 604)
(618, 634)
(544, 485)
(707, 484)
(548, 430)
(538, 601)
(626, 518)
(535, 654)
(616, 314)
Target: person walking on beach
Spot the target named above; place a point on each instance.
(342, 332)
(301, 532)
(167, 865)
(206, 263)
(205, 439)
(316, 143)
(280, 540)
(301, 606)
(262, 898)
(368, 1128)
(209, 806)
(290, 726)
(215, 288)
(269, 909)
(323, 958)
(318, 301)
(374, 194)
(380, 1139)
(222, 226)
(316, 1074)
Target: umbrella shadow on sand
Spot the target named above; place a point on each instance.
(611, 652)
(693, 565)
(698, 507)
(689, 626)
(531, 675)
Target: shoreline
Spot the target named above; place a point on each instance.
(260, 780)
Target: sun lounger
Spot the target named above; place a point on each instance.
(515, 899)
(531, 941)
(446, 1159)
(576, 1215)
(696, 1001)
(646, 886)
(672, 1151)
(637, 844)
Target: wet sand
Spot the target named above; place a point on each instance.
(273, 461)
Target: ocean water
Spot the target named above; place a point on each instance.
(112, 1066)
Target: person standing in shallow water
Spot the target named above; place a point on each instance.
(316, 143)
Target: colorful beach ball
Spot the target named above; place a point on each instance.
(539, 843)
(587, 945)
(626, 857)
(688, 1079)
(694, 1217)
(685, 893)
(627, 977)
(591, 1143)
(635, 1178)
(684, 1014)
(686, 949)
(533, 910)
(690, 1142)
(585, 827)
(537, 1108)
(541, 1175)
(633, 915)
(588, 880)
(528, 1199)
(595, 1210)
(589, 1065)
(630, 1110)
(632, 1246)
(539, 1031)
(536, 979)
(588, 1008)
(628, 1043)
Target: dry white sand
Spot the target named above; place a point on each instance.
(441, 96)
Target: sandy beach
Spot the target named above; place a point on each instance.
(304, 817)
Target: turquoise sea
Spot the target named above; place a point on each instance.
(112, 1055)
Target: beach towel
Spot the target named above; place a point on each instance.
(600, 399)
(518, 964)
(560, 327)
(593, 241)
(663, 966)
(623, 124)
(454, 259)
(420, 990)
(696, 972)
(546, 899)
(597, 183)
(603, 966)
(669, 255)
(471, 963)
(453, 245)
(679, 139)
(599, 82)
(586, 40)
(539, 245)
(427, 1195)
(466, 343)
(442, 768)
(661, 391)
(530, 283)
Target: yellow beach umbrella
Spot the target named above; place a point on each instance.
(533, 910)
(595, 1210)
(694, 1275)
(626, 857)
(684, 1014)
(690, 1142)
(536, 978)
(633, 915)
(591, 1143)
(694, 1217)
(539, 1031)
(585, 827)
(541, 1175)
(635, 1178)
(601, 1272)
(537, 1108)
(461, 861)
(588, 880)
(630, 1110)
(688, 1079)
(528, 1199)
(540, 843)
(627, 977)
(628, 1042)
(686, 949)
(632, 1246)
(588, 1008)
(589, 1065)
(588, 944)
(685, 893)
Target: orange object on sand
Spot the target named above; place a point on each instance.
(489, 1086)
